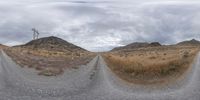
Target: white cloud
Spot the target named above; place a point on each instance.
(100, 25)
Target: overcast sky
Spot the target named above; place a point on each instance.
(99, 25)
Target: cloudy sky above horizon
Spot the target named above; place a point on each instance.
(99, 25)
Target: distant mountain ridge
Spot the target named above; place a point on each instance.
(190, 42)
(52, 43)
(136, 45)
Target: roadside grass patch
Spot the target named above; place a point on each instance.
(143, 66)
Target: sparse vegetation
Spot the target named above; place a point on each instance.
(50, 71)
(48, 63)
(50, 55)
(150, 65)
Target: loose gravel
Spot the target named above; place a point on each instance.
(93, 81)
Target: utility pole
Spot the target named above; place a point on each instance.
(35, 34)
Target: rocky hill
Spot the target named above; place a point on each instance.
(136, 45)
(190, 42)
(53, 44)
(154, 44)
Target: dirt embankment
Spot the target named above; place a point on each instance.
(3, 46)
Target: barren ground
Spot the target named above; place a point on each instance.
(48, 63)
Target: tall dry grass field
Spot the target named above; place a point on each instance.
(150, 65)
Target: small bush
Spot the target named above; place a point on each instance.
(51, 72)
(152, 57)
(186, 54)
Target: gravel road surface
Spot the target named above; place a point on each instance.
(93, 81)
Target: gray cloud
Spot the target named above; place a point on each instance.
(100, 25)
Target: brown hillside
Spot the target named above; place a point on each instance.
(2, 46)
(54, 44)
(192, 42)
(137, 45)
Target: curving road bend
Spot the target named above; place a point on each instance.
(93, 81)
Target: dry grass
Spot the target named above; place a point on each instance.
(3, 46)
(48, 63)
(150, 65)
(50, 71)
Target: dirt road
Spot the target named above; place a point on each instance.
(93, 81)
